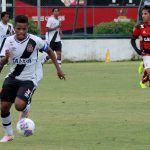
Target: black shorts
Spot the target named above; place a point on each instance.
(56, 46)
(13, 88)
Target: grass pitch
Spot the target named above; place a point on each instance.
(99, 107)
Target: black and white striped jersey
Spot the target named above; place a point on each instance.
(5, 31)
(24, 56)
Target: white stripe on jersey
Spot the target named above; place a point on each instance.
(21, 63)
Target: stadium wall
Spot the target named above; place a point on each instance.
(95, 49)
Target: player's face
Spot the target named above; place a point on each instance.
(6, 18)
(21, 30)
(145, 16)
(56, 12)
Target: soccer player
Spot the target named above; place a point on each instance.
(6, 29)
(21, 51)
(53, 34)
(142, 30)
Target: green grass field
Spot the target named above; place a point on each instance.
(99, 107)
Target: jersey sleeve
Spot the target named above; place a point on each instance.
(42, 45)
(5, 47)
(136, 32)
(49, 22)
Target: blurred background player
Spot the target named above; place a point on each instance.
(142, 30)
(53, 34)
(6, 29)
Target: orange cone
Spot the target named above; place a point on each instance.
(107, 58)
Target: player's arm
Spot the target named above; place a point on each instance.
(49, 28)
(135, 35)
(61, 34)
(43, 47)
(133, 43)
(12, 30)
(4, 55)
(52, 56)
(4, 60)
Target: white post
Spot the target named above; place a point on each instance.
(130, 1)
(3, 5)
(39, 15)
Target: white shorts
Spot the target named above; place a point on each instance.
(146, 60)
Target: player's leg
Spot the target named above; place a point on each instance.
(146, 60)
(58, 49)
(57, 46)
(143, 79)
(7, 96)
(141, 68)
(23, 99)
(6, 121)
(1, 66)
(39, 76)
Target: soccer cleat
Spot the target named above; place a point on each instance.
(7, 138)
(143, 86)
(141, 68)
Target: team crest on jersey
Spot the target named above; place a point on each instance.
(29, 48)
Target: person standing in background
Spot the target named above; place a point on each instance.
(54, 34)
(6, 29)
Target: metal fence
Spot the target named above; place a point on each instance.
(79, 17)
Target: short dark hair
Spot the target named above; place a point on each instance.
(21, 19)
(3, 14)
(146, 7)
(54, 9)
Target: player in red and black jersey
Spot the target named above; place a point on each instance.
(142, 31)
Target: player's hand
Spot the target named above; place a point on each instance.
(7, 54)
(61, 75)
(59, 24)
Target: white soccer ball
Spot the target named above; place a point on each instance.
(25, 127)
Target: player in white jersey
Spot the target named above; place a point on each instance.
(6, 29)
(53, 34)
(21, 51)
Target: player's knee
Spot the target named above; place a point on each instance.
(4, 109)
(58, 55)
(20, 105)
(148, 71)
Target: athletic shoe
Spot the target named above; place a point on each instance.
(143, 86)
(7, 138)
(141, 68)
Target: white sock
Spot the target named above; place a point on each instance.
(6, 121)
(59, 62)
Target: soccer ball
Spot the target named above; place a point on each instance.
(25, 127)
